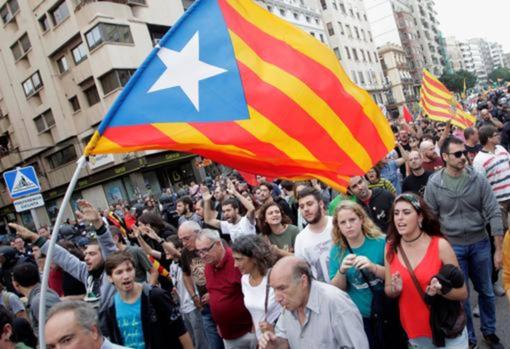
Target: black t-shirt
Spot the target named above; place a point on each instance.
(416, 184)
(378, 207)
(472, 151)
(193, 265)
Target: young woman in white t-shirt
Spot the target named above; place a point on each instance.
(254, 258)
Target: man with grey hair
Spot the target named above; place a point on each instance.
(310, 307)
(226, 298)
(75, 325)
(193, 270)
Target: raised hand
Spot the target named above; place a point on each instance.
(87, 212)
(206, 194)
(23, 232)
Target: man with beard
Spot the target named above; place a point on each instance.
(184, 207)
(265, 195)
(376, 202)
(233, 224)
(465, 203)
(418, 178)
(313, 243)
(91, 271)
(431, 160)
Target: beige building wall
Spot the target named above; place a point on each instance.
(47, 122)
(398, 72)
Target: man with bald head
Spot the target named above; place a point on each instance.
(431, 159)
(417, 180)
(315, 314)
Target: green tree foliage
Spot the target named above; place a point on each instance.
(455, 82)
(500, 74)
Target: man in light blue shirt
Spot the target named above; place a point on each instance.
(310, 309)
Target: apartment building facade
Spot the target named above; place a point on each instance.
(298, 13)
(64, 63)
(350, 36)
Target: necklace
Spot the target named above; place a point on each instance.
(413, 240)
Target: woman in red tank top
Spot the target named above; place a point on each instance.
(416, 231)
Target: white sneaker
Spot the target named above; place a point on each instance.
(498, 290)
(476, 311)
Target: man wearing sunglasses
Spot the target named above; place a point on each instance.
(223, 281)
(465, 203)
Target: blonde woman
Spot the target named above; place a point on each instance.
(357, 255)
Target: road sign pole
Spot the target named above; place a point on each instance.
(35, 218)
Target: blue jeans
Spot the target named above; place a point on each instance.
(476, 263)
(195, 326)
(214, 339)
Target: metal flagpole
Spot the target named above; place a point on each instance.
(49, 255)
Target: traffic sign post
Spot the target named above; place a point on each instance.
(22, 181)
(28, 203)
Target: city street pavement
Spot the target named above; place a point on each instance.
(502, 321)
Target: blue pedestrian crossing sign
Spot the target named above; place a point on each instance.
(22, 181)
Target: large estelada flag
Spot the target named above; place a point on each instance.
(236, 84)
(440, 105)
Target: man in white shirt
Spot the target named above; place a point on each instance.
(313, 243)
(233, 224)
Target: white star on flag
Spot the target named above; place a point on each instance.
(184, 69)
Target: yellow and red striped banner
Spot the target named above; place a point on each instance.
(439, 104)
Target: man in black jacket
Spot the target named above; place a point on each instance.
(376, 202)
(141, 316)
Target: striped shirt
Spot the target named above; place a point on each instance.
(496, 168)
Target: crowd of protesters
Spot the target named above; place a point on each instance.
(283, 264)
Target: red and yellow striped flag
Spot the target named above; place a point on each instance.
(238, 85)
(440, 105)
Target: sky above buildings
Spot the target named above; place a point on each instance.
(466, 19)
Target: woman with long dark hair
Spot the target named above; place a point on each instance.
(276, 226)
(357, 257)
(415, 254)
(253, 258)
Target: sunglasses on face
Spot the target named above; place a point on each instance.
(458, 154)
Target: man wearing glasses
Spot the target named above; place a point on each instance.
(465, 203)
(223, 281)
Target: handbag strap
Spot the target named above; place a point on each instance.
(411, 272)
(365, 277)
(266, 300)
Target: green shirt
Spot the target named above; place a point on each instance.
(455, 184)
(285, 240)
(21, 345)
(357, 287)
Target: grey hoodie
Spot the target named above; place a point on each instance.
(463, 216)
(78, 269)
